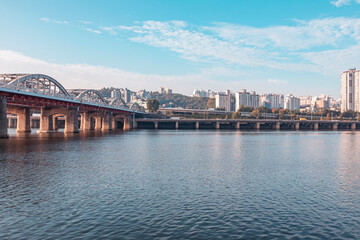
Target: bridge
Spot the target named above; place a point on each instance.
(246, 124)
(87, 109)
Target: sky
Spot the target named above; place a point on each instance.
(268, 46)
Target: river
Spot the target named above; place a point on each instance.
(180, 185)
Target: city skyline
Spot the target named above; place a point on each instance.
(185, 45)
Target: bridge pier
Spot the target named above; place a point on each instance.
(3, 119)
(23, 118)
(72, 122)
(257, 126)
(86, 122)
(46, 122)
(353, 126)
(217, 125)
(197, 125)
(55, 123)
(237, 125)
(134, 123)
(156, 125)
(278, 126)
(316, 126)
(48, 116)
(335, 126)
(297, 126)
(98, 121)
(176, 125)
(107, 123)
(127, 123)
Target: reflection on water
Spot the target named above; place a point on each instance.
(180, 184)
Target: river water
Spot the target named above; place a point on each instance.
(180, 185)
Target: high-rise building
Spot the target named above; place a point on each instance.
(305, 101)
(246, 99)
(223, 101)
(350, 90)
(291, 102)
(115, 93)
(127, 95)
(272, 100)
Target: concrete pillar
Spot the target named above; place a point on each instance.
(3, 119)
(217, 125)
(353, 126)
(316, 126)
(257, 126)
(237, 125)
(197, 125)
(98, 123)
(55, 123)
(72, 122)
(127, 123)
(114, 123)
(176, 125)
(156, 125)
(46, 122)
(134, 122)
(86, 122)
(335, 126)
(297, 126)
(23, 120)
(107, 125)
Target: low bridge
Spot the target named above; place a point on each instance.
(245, 124)
(22, 94)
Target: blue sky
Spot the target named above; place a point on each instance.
(287, 46)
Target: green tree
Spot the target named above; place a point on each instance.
(152, 105)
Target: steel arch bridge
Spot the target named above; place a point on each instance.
(38, 83)
(46, 87)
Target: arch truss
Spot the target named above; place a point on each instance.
(136, 107)
(118, 102)
(37, 83)
(91, 95)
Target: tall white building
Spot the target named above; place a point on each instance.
(115, 93)
(246, 99)
(223, 101)
(272, 100)
(350, 90)
(291, 102)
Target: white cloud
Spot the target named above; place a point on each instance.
(85, 22)
(44, 19)
(304, 35)
(90, 76)
(340, 3)
(293, 48)
(93, 30)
